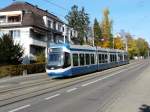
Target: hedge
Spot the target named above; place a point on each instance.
(15, 70)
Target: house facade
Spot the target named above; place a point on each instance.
(34, 28)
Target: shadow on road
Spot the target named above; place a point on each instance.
(144, 108)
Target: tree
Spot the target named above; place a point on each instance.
(106, 26)
(118, 43)
(10, 52)
(132, 46)
(79, 20)
(97, 33)
(142, 46)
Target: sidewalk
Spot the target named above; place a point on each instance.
(4, 82)
(135, 97)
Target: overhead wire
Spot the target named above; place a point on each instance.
(59, 6)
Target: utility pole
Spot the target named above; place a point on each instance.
(65, 33)
(148, 53)
(126, 42)
(93, 37)
(113, 43)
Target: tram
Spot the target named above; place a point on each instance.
(70, 60)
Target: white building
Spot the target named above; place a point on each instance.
(34, 28)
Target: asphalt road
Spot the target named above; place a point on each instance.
(101, 94)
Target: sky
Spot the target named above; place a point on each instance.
(129, 15)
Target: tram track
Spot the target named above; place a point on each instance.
(21, 86)
(52, 85)
(49, 81)
(32, 84)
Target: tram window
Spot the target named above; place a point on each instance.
(92, 58)
(81, 59)
(67, 61)
(115, 58)
(75, 59)
(120, 57)
(106, 58)
(111, 58)
(87, 56)
(125, 57)
(99, 58)
(103, 58)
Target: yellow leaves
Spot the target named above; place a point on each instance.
(118, 43)
(106, 44)
(132, 47)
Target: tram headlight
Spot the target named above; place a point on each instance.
(49, 50)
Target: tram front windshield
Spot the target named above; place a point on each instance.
(55, 59)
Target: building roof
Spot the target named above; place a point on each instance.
(32, 15)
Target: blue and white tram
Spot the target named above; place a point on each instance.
(70, 60)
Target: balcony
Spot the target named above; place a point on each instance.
(36, 42)
(10, 20)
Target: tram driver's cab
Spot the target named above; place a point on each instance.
(57, 59)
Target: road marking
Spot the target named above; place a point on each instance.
(17, 109)
(48, 98)
(89, 83)
(108, 76)
(70, 90)
(101, 78)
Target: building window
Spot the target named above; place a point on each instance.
(63, 29)
(71, 33)
(75, 59)
(14, 18)
(59, 27)
(14, 33)
(49, 24)
(54, 25)
(2, 19)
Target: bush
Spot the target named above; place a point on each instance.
(10, 52)
(15, 70)
(40, 57)
(35, 68)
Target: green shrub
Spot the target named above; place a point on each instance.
(40, 57)
(35, 68)
(10, 52)
(15, 70)
(4, 71)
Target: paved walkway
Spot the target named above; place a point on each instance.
(11, 81)
(135, 97)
